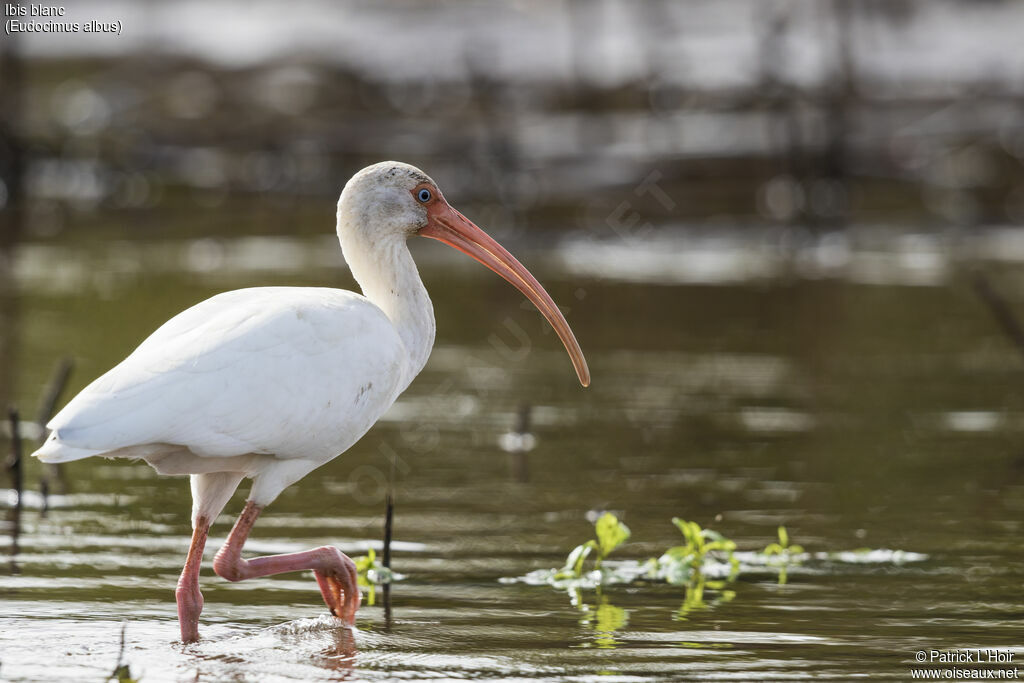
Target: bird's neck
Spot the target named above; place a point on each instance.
(388, 277)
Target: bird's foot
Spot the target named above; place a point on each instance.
(190, 606)
(339, 584)
(190, 600)
(335, 573)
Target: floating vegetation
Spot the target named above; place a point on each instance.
(706, 563)
(678, 564)
(370, 573)
(610, 532)
(122, 674)
(784, 552)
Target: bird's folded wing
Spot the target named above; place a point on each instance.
(259, 370)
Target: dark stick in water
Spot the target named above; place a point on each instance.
(999, 307)
(14, 467)
(121, 671)
(386, 557)
(58, 382)
(14, 460)
(54, 389)
(519, 461)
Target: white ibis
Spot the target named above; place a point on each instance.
(270, 383)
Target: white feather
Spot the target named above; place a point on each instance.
(284, 371)
(270, 382)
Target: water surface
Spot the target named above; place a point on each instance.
(882, 412)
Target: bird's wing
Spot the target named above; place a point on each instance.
(276, 370)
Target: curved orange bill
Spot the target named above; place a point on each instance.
(447, 225)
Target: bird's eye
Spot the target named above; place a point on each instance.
(423, 195)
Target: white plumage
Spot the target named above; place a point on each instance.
(287, 373)
(272, 382)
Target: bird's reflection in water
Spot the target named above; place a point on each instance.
(331, 646)
(340, 655)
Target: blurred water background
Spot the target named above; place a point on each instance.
(787, 234)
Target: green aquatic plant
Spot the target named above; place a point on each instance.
(783, 548)
(785, 553)
(122, 674)
(705, 563)
(679, 563)
(610, 532)
(370, 573)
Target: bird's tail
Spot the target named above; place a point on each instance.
(53, 451)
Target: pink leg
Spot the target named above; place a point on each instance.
(190, 600)
(335, 572)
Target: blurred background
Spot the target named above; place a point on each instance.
(786, 232)
(659, 141)
(544, 115)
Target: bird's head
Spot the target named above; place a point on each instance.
(389, 199)
(393, 199)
